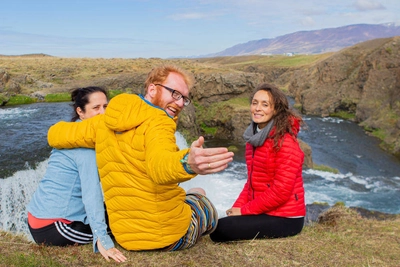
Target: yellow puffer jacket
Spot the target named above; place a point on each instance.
(140, 168)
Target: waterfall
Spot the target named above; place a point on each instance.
(16, 191)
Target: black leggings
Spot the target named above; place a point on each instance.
(62, 234)
(255, 226)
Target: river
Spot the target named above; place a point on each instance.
(369, 177)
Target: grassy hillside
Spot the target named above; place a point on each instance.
(28, 74)
(267, 61)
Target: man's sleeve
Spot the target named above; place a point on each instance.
(163, 155)
(74, 134)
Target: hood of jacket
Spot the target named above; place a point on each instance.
(125, 116)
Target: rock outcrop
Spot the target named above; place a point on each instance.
(363, 80)
(216, 87)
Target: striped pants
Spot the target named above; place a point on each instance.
(204, 221)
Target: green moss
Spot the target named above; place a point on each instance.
(284, 89)
(129, 90)
(59, 97)
(216, 115)
(298, 106)
(321, 203)
(233, 148)
(367, 128)
(21, 99)
(340, 204)
(344, 115)
(3, 98)
(379, 133)
(113, 93)
(208, 130)
(325, 169)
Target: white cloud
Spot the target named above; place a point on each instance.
(189, 16)
(366, 5)
(308, 21)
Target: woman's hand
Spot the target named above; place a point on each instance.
(233, 212)
(111, 253)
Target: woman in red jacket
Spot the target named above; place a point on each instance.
(271, 204)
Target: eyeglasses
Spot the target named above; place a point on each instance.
(177, 95)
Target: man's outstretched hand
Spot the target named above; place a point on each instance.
(208, 160)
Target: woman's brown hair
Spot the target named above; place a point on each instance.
(284, 117)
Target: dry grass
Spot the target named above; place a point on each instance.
(33, 72)
(342, 238)
(87, 68)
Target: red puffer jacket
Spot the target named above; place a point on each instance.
(274, 185)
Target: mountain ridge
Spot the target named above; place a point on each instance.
(312, 42)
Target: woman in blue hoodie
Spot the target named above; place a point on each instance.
(67, 207)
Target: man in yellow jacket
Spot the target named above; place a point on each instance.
(141, 166)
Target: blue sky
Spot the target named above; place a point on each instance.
(170, 28)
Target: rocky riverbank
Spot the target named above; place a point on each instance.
(316, 213)
(362, 80)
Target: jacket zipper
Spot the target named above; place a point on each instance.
(251, 175)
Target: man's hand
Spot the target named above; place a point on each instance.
(208, 160)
